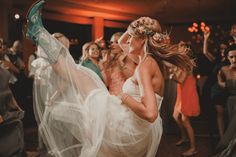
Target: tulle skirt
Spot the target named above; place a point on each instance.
(79, 118)
(102, 127)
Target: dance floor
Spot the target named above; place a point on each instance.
(167, 146)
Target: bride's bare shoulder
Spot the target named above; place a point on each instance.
(149, 63)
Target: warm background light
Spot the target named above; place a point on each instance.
(195, 27)
(17, 16)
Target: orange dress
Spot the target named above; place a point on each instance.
(187, 101)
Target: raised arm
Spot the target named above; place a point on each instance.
(147, 109)
(209, 55)
(103, 68)
(123, 42)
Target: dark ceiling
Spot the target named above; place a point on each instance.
(167, 11)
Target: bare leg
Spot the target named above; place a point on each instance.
(183, 137)
(220, 119)
(190, 132)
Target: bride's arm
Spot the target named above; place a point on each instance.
(123, 42)
(146, 109)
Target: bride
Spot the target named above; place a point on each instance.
(78, 116)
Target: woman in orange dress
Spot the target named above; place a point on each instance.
(187, 105)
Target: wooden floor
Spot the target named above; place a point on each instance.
(204, 128)
(167, 146)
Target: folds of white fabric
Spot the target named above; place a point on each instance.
(78, 117)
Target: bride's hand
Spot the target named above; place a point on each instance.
(123, 97)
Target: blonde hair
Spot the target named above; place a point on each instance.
(85, 50)
(158, 44)
(119, 34)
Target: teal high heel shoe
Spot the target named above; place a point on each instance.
(34, 20)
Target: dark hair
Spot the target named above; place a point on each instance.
(230, 48)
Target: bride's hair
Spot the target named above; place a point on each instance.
(158, 43)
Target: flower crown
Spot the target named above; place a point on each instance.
(142, 27)
(161, 37)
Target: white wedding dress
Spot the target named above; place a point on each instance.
(79, 118)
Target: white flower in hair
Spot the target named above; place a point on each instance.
(157, 36)
(160, 37)
(141, 29)
(142, 26)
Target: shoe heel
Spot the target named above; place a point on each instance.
(33, 5)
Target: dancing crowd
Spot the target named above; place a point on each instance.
(109, 103)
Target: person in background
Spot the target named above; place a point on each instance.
(101, 43)
(227, 80)
(120, 65)
(32, 57)
(233, 35)
(94, 122)
(14, 55)
(91, 60)
(217, 94)
(6, 63)
(11, 115)
(187, 106)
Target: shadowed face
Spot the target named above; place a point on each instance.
(115, 48)
(141, 30)
(232, 58)
(135, 44)
(233, 31)
(102, 44)
(222, 49)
